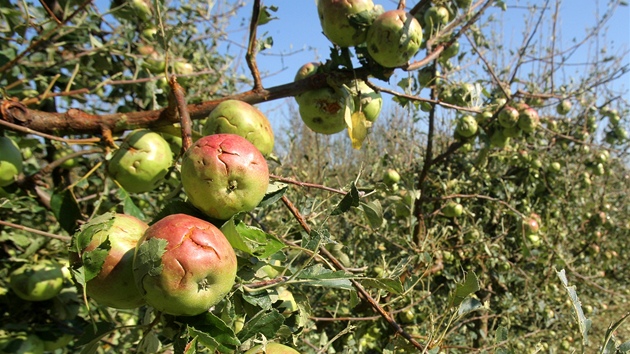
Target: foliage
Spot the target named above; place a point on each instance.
(336, 257)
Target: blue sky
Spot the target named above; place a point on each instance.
(298, 38)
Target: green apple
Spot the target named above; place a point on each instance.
(508, 117)
(391, 177)
(394, 38)
(10, 161)
(450, 52)
(436, 16)
(563, 107)
(452, 209)
(115, 235)
(335, 18)
(271, 348)
(224, 174)
(466, 126)
(195, 268)
(37, 282)
(141, 162)
(241, 118)
(63, 152)
(366, 99)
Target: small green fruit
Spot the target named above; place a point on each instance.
(452, 209)
(10, 161)
(37, 282)
(466, 126)
(394, 38)
(563, 107)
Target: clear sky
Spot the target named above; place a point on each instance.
(297, 36)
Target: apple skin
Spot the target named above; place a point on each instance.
(452, 209)
(141, 162)
(241, 118)
(391, 177)
(436, 16)
(563, 107)
(528, 120)
(224, 174)
(467, 126)
(114, 285)
(37, 282)
(10, 161)
(272, 348)
(334, 18)
(198, 266)
(394, 38)
(508, 117)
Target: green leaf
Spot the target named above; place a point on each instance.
(150, 343)
(66, 210)
(464, 289)
(609, 346)
(275, 191)
(468, 305)
(191, 347)
(373, 213)
(349, 200)
(317, 275)
(250, 239)
(316, 239)
(148, 259)
(212, 332)
(92, 335)
(624, 348)
(265, 15)
(93, 260)
(583, 322)
(391, 285)
(129, 207)
(266, 323)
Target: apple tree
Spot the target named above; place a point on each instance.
(434, 189)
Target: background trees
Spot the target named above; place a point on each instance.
(334, 258)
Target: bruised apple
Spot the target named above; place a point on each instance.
(241, 118)
(141, 162)
(184, 265)
(115, 236)
(394, 38)
(467, 126)
(272, 348)
(10, 161)
(224, 174)
(323, 110)
(335, 18)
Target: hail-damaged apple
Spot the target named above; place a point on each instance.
(241, 118)
(141, 162)
(184, 265)
(224, 174)
(394, 38)
(345, 22)
(101, 253)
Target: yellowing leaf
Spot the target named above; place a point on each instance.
(357, 128)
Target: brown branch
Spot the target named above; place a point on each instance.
(362, 292)
(306, 184)
(420, 99)
(182, 108)
(35, 231)
(25, 130)
(250, 57)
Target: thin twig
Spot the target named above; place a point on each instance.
(182, 108)
(250, 57)
(35, 231)
(307, 184)
(25, 130)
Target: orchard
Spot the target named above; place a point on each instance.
(426, 186)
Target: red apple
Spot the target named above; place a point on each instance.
(224, 174)
(196, 267)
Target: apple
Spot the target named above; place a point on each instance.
(563, 107)
(484, 117)
(391, 177)
(555, 167)
(466, 126)
(241, 118)
(436, 16)
(366, 99)
(141, 162)
(195, 267)
(63, 152)
(508, 117)
(450, 52)
(37, 282)
(463, 94)
(271, 348)
(335, 18)
(452, 209)
(463, 4)
(528, 120)
(224, 174)
(152, 60)
(498, 139)
(394, 38)
(114, 285)
(10, 161)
